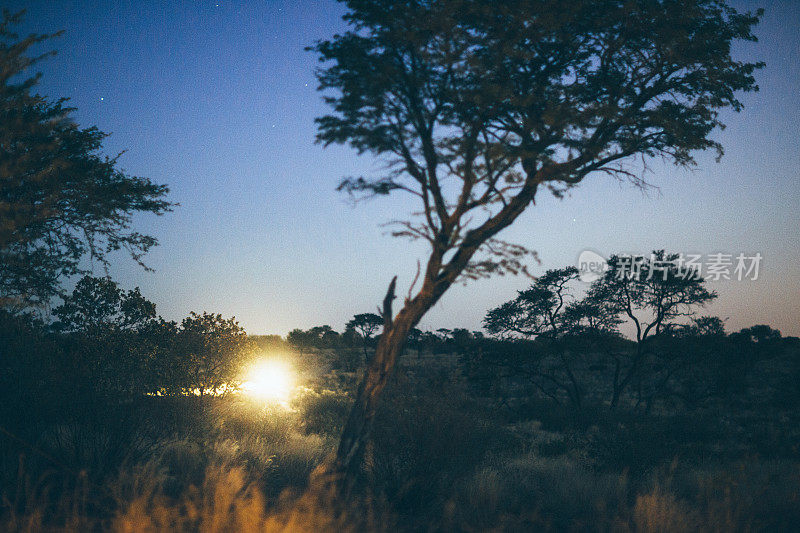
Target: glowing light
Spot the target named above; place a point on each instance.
(270, 381)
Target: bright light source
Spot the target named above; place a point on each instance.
(269, 380)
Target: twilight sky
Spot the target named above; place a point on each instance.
(217, 99)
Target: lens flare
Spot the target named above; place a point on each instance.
(271, 381)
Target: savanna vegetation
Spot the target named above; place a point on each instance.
(617, 405)
(116, 419)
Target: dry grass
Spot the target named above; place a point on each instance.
(249, 467)
(227, 498)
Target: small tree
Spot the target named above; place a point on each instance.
(654, 294)
(759, 334)
(743, 350)
(366, 325)
(60, 200)
(324, 336)
(300, 340)
(539, 312)
(477, 106)
(211, 352)
(704, 352)
(99, 304)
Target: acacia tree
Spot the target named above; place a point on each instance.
(366, 325)
(477, 106)
(653, 293)
(60, 199)
(539, 312)
(567, 328)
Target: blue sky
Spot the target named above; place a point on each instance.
(217, 99)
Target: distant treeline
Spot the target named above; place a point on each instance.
(557, 339)
(561, 341)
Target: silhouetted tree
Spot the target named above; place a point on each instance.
(428, 340)
(366, 325)
(702, 348)
(414, 340)
(114, 337)
(653, 293)
(708, 327)
(462, 338)
(300, 339)
(99, 303)
(60, 200)
(759, 334)
(317, 337)
(479, 105)
(538, 312)
(268, 343)
(211, 352)
(744, 349)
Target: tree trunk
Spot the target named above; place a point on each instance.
(576, 389)
(357, 429)
(632, 372)
(616, 386)
(337, 476)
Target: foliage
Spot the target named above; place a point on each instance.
(98, 303)
(211, 352)
(115, 335)
(501, 101)
(578, 340)
(319, 337)
(60, 201)
(537, 311)
(365, 325)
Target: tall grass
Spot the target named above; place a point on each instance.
(440, 460)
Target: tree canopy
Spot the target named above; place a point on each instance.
(651, 292)
(537, 311)
(365, 325)
(476, 105)
(60, 199)
(98, 303)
